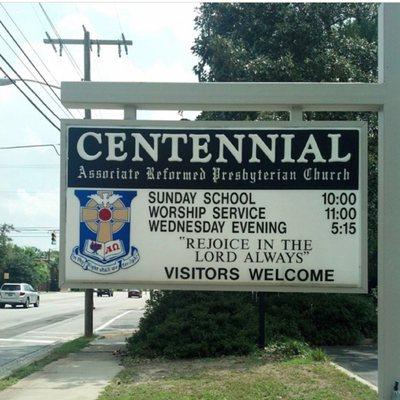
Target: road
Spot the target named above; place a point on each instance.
(360, 360)
(26, 334)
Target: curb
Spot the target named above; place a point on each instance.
(354, 376)
(12, 366)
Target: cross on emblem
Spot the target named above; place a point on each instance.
(105, 245)
(104, 214)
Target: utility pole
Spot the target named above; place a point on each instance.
(87, 48)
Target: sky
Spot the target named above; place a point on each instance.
(162, 35)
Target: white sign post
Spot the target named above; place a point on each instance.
(382, 97)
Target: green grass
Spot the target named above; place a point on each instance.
(60, 352)
(253, 377)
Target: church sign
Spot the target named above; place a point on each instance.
(214, 206)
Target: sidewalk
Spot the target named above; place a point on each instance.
(80, 376)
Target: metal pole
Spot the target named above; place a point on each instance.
(86, 63)
(88, 115)
(86, 42)
(261, 320)
(388, 203)
(88, 312)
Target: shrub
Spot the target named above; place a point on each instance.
(319, 355)
(206, 324)
(321, 319)
(196, 324)
(288, 348)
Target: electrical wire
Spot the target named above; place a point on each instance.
(119, 20)
(28, 236)
(31, 101)
(16, 55)
(33, 76)
(32, 145)
(30, 166)
(35, 229)
(71, 58)
(33, 49)
(39, 18)
(31, 90)
(99, 72)
(22, 191)
(28, 58)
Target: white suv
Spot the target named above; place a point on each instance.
(18, 294)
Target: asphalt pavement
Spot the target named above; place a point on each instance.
(360, 360)
(28, 334)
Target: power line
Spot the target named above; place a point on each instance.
(31, 146)
(87, 46)
(48, 86)
(26, 192)
(28, 236)
(30, 61)
(30, 101)
(32, 91)
(119, 20)
(30, 166)
(34, 229)
(39, 18)
(98, 55)
(71, 58)
(16, 55)
(33, 49)
(33, 75)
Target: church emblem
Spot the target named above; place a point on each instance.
(105, 231)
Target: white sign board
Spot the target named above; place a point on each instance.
(214, 206)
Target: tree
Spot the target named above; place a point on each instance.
(5, 247)
(286, 42)
(330, 42)
(255, 42)
(25, 264)
(54, 272)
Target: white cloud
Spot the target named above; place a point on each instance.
(148, 23)
(7, 93)
(29, 209)
(151, 18)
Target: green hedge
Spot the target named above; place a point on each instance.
(196, 324)
(205, 324)
(321, 319)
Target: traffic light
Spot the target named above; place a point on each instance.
(53, 238)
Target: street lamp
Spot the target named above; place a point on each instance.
(6, 81)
